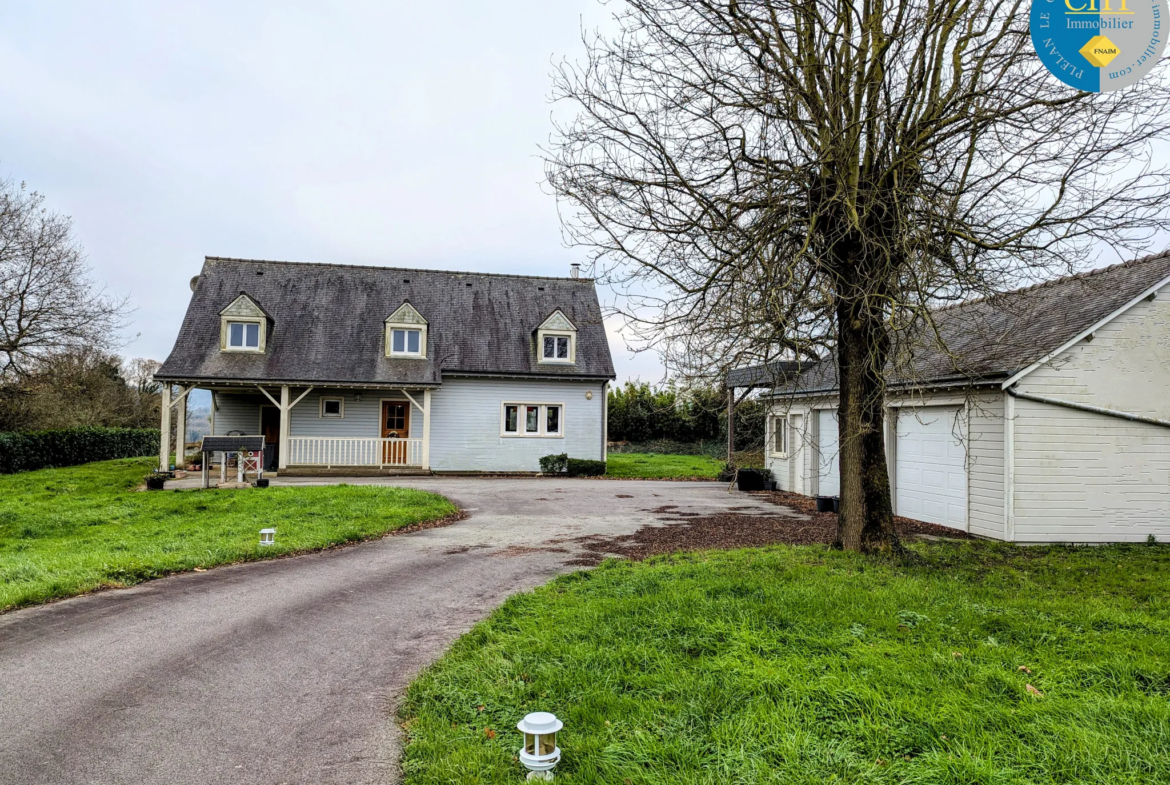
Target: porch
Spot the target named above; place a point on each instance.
(327, 430)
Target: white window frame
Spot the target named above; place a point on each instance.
(572, 336)
(521, 420)
(226, 327)
(340, 408)
(406, 328)
(779, 421)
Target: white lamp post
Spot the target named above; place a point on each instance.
(540, 753)
(268, 536)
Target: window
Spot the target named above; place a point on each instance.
(244, 335)
(556, 348)
(333, 408)
(407, 342)
(533, 419)
(779, 436)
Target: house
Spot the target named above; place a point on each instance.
(348, 369)
(1047, 419)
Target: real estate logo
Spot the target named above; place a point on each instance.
(1099, 45)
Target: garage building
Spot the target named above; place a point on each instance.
(1046, 419)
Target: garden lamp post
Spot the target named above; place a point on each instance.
(540, 753)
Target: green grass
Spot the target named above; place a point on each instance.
(651, 465)
(805, 665)
(69, 531)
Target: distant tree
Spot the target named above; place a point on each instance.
(640, 413)
(48, 303)
(78, 388)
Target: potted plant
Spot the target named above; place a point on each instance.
(752, 479)
(156, 481)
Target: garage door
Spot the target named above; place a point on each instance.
(829, 468)
(931, 467)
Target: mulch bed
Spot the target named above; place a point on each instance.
(734, 529)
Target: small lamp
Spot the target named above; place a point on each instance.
(268, 536)
(540, 753)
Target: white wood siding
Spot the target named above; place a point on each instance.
(465, 424)
(1083, 477)
(985, 428)
(362, 418)
(237, 413)
(792, 473)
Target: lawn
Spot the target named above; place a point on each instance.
(68, 531)
(651, 465)
(806, 665)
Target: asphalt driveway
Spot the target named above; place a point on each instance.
(287, 671)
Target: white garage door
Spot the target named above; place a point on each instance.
(829, 467)
(931, 467)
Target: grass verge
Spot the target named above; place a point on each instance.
(68, 531)
(654, 466)
(805, 665)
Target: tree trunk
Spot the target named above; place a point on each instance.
(866, 522)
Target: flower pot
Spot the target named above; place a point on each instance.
(769, 485)
(750, 480)
(826, 504)
(836, 505)
(262, 483)
(156, 482)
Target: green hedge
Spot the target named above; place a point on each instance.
(24, 452)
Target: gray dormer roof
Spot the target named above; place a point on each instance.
(327, 324)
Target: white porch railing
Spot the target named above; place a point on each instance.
(356, 451)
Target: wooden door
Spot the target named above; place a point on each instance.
(270, 427)
(395, 425)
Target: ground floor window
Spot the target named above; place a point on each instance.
(779, 436)
(532, 419)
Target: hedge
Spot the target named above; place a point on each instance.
(27, 451)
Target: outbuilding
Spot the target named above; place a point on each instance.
(1045, 419)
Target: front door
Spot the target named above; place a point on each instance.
(270, 427)
(395, 425)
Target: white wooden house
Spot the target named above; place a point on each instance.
(1047, 420)
(349, 369)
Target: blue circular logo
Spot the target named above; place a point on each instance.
(1099, 45)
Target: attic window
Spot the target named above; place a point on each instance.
(556, 340)
(406, 333)
(244, 335)
(243, 326)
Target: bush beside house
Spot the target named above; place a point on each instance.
(22, 452)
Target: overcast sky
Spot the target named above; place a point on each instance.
(383, 133)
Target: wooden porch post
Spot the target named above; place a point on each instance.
(181, 429)
(426, 445)
(285, 426)
(164, 441)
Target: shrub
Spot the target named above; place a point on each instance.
(23, 452)
(583, 467)
(554, 464)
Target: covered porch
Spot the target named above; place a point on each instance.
(317, 430)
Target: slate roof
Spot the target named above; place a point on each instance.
(327, 324)
(996, 337)
(771, 374)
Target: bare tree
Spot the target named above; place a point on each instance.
(48, 304)
(809, 179)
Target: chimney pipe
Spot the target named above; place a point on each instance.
(575, 270)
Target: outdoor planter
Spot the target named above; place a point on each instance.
(750, 480)
(827, 504)
(261, 483)
(769, 485)
(156, 482)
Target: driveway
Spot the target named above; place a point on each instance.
(287, 671)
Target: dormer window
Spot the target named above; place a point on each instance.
(243, 326)
(244, 335)
(406, 342)
(556, 340)
(406, 333)
(556, 347)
